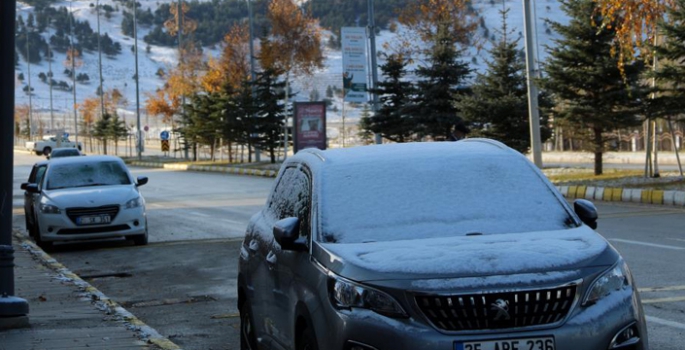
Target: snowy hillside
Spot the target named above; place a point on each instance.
(118, 72)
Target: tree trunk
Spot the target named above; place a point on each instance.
(599, 150)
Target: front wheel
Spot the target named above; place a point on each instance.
(47, 151)
(46, 246)
(247, 336)
(307, 340)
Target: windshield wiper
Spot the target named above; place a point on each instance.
(94, 184)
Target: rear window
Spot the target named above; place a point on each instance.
(65, 153)
(432, 197)
(87, 174)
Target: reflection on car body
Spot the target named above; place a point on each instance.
(444, 245)
(78, 198)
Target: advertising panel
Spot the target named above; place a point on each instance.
(354, 64)
(310, 125)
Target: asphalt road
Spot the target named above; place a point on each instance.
(183, 283)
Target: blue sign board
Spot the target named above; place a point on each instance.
(164, 135)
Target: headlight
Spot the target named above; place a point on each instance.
(134, 203)
(347, 294)
(617, 278)
(49, 209)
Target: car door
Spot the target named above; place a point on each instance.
(284, 271)
(36, 177)
(258, 248)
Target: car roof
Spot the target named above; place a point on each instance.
(84, 160)
(401, 152)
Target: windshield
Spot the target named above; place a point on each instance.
(87, 174)
(435, 197)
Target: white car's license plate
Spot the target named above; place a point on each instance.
(94, 220)
(543, 343)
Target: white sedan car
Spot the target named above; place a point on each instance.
(81, 198)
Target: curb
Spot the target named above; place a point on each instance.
(208, 168)
(101, 301)
(617, 194)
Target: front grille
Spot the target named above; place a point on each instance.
(111, 210)
(504, 310)
(95, 229)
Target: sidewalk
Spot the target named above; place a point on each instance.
(66, 312)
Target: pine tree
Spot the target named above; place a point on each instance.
(670, 73)
(434, 107)
(585, 79)
(392, 120)
(270, 111)
(498, 105)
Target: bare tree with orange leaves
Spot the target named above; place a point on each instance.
(89, 109)
(294, 44)
(635, 24)
(233, 68)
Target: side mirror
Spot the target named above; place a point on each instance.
(586, 211)
(141, 180)
(286, 233)
(32, 188)
(23, 186)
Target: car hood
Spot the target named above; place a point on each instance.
(91, 196)
(468, 256)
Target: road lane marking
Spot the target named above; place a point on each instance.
(660, 289)
(677, 239)
(646, 244)
(663, 300)
(233, 222)
(199, 214)
(663, 322)
(640, 213)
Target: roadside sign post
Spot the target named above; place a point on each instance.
(164, 136)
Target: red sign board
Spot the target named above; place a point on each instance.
(310, 125)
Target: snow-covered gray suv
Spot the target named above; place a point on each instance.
(451, 245)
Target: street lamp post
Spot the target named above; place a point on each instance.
(13, 310)
(532, 74)
(73, 68)
(28, 65)
(139, 142)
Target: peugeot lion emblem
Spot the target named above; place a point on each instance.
(502, 308)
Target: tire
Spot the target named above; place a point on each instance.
(307, 340)
(39, 153)
(46, 246)
(29, 229)
(47, 151)
(140, 239)
(248, 341)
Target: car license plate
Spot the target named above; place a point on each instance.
(94, 220)
(543, 343)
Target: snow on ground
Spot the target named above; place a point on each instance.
(118, 71)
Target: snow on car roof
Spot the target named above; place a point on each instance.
(89, 159)
(432, 190)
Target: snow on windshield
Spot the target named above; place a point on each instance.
(469, 188)
(87, 174)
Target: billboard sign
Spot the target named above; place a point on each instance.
(310, 125)
(354, 64)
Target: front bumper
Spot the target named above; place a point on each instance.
(59, 227)
(588, 328)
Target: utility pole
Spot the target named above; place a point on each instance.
(28, 63)
(73, 68)
(52, 114)
(253, 75)
(374, 63)
(102, 91)
(179, 26)
(532, 74)
(139, 147)
(13, 310)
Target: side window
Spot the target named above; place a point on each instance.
(292, 198)
(40, 172)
